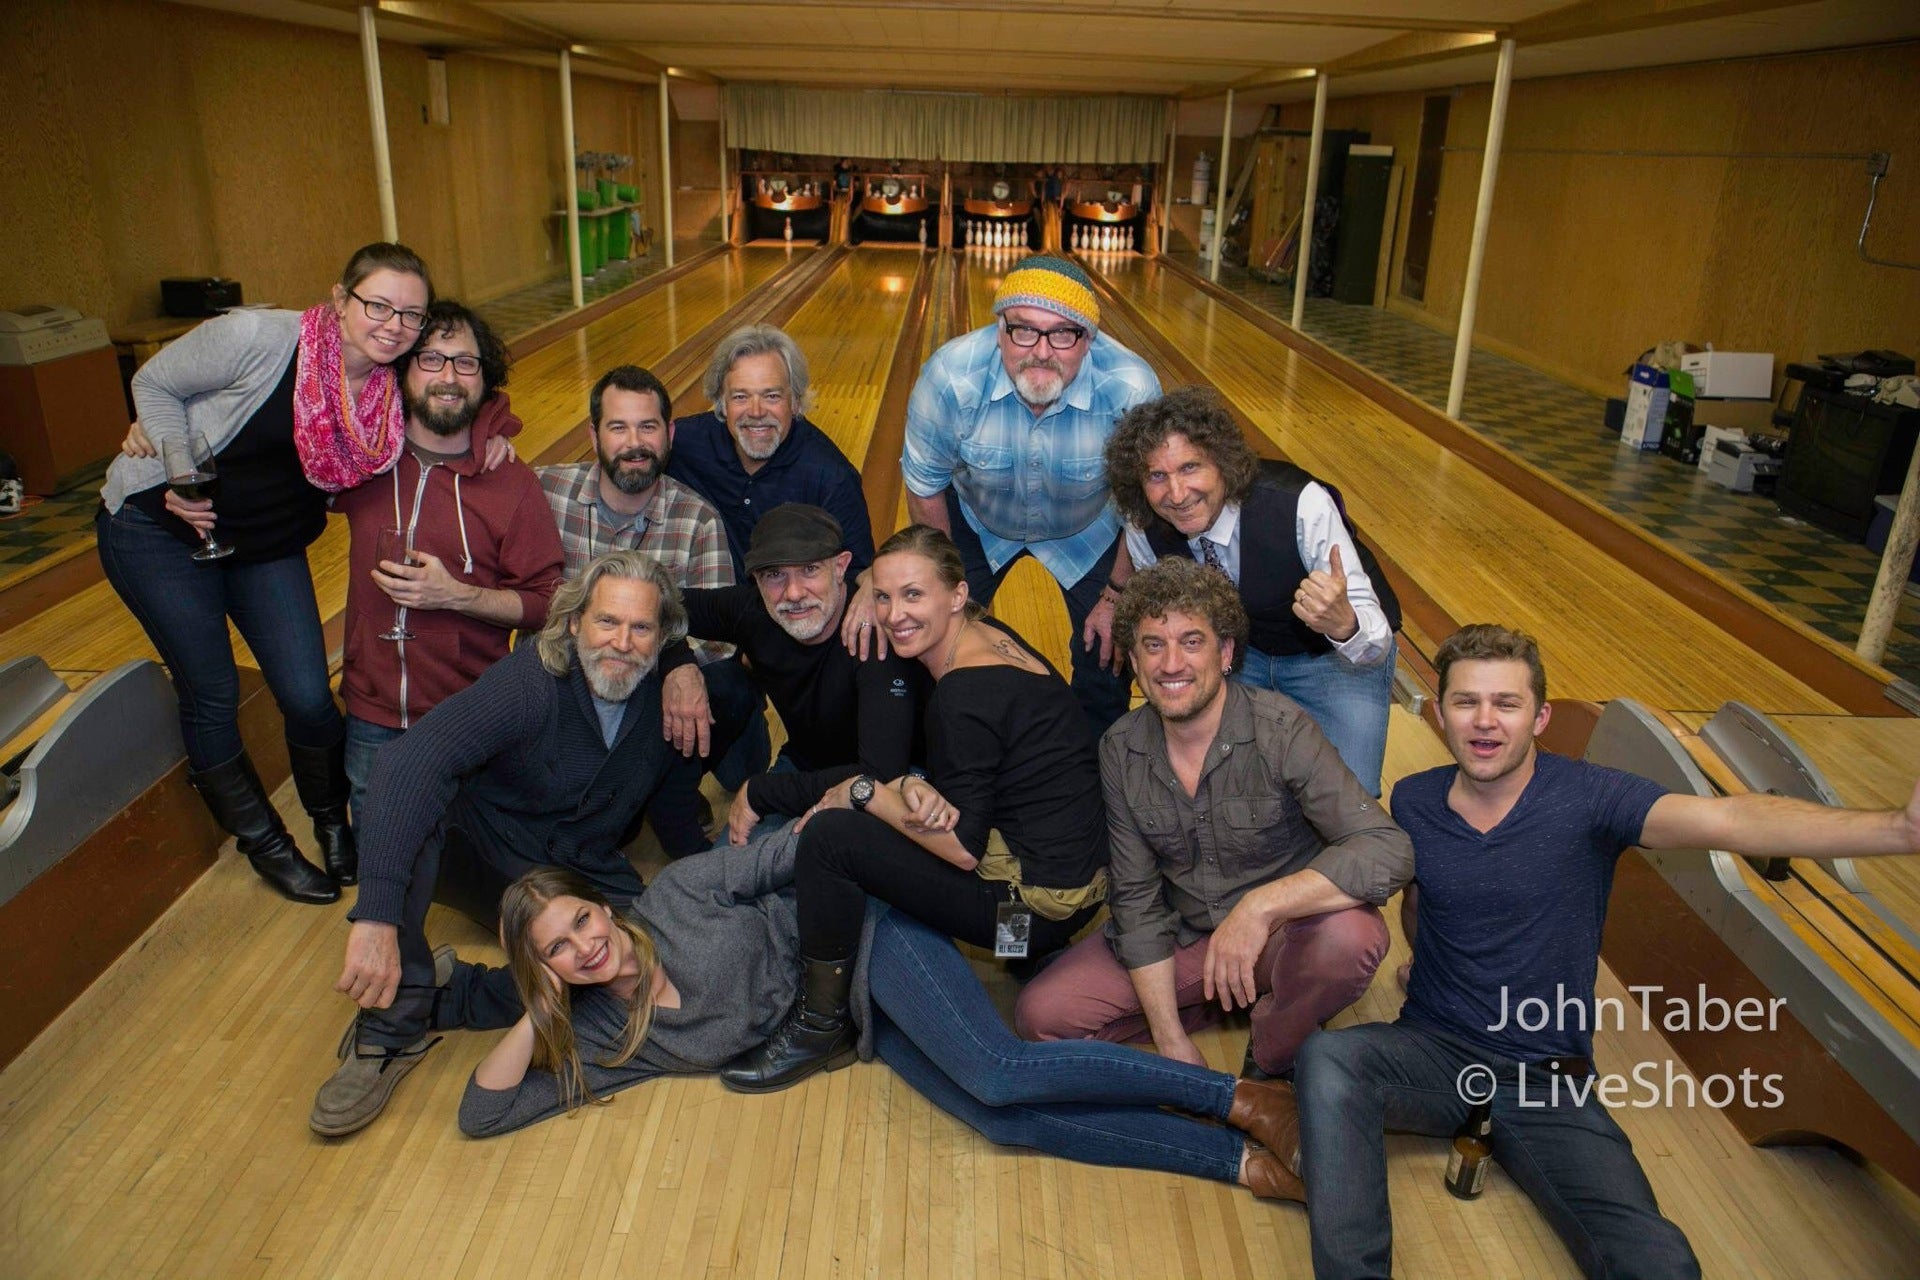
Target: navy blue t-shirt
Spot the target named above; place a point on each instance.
(1516, 914)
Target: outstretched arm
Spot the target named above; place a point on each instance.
(1779, 827)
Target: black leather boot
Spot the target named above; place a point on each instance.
(320, 776)
(818, 1035)
(239, 804)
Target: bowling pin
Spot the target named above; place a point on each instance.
(1076, 239)
(923, 233)
(788, 233)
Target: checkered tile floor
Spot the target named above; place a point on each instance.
(49, 528)
(1801, 569)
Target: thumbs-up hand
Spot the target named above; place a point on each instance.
(1321, 601)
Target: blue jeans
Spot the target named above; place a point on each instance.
(1349, 703)
(1571, 1160)
(364, 740)
(183, 605)
(1103, 695)
(1078, 1099)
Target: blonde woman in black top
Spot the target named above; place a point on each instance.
(1009, 751)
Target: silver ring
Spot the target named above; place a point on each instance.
(865, 625)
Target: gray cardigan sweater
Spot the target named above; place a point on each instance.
(213, 380)
(726, 930)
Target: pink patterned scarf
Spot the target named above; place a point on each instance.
(341, 442)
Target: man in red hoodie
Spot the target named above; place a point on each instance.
(487, 557)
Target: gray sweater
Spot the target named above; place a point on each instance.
(214, 379)
(727, 933)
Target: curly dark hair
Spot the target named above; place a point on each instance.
(446, 317)
(1486, 642)
(1179, 585)
(1199, 414)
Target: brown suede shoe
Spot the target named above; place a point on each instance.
(356, 1093)
(1268, 1112)
(1270, 1179)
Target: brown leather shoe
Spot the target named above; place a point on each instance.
(1267, 1112)
(1270, 1179)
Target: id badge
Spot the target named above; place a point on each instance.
(1012, 926)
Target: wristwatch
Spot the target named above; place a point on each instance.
(860, 794)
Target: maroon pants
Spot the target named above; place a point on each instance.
(1310, 969)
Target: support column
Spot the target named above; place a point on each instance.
(1482, 214)
(666, 171)
(1304, 258)
(1895, 563)
(1165, 193)
(1220, 196)
(726, 190)
(572, 182)
(377, 110)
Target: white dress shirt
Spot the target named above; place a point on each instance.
(1317, 527)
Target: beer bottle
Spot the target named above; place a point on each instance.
(1472, 1153)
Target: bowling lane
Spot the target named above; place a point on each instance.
(1871, 763)
(549, 387)
(849, 329)
(1481, 551)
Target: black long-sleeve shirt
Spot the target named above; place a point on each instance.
(1012, 751)
(843, 716)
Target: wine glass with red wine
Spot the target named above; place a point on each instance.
(193, 474)
(396, 547)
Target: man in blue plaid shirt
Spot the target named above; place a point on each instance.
(1006, 433)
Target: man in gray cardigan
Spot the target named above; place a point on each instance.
(1248, 863)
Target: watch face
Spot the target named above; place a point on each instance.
(861, 792)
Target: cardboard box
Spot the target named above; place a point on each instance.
(1647, 396)
(1750, 416)
(1729, 375)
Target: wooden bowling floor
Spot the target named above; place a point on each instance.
(159, 1127)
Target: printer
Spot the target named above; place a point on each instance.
(35, 335)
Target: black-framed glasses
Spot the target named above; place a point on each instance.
(435, 361)
(1064, 338)
(381, 312)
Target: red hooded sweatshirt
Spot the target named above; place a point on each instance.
(490, 528)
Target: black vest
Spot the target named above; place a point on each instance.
(1270, 567)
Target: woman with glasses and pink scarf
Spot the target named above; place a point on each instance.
(254, 418)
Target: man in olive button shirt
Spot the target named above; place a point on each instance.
(1248, 863)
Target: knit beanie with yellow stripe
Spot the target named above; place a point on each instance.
(1050, 283)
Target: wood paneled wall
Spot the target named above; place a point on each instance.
(154, 139)
(696, 179)
(1593, 257)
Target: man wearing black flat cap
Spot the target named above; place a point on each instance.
(843, 717)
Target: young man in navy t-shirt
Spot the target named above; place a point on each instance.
(1514, 851)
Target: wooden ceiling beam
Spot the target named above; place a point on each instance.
(1591, 18)
(1412, 49)
(1156, 12)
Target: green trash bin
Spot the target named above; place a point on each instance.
(591, 259)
